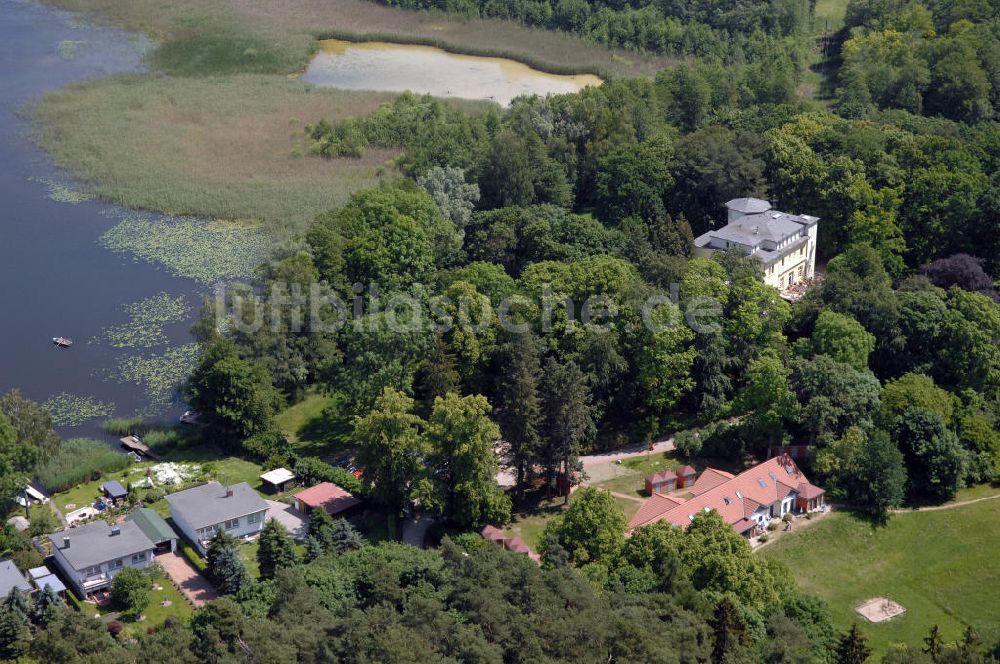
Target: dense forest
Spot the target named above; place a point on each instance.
(730, 31)
(694, 597)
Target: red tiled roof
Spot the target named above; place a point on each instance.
(492, 533)
(686, 470)
(809, 491)
(763, 484)
(709, 479)
(744, 525)
(328, 495)
(654, 507)
(517, 545)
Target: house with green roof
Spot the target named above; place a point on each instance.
(155, 528)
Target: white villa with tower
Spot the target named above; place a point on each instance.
(785, 243)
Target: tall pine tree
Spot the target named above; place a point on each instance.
(568, 417)
(853, 647)
(276, 550)
(519, 406)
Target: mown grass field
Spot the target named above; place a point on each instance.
(942, 566)
(229, 147)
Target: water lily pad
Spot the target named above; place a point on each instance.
(69, 49)
(147, 319)
(159, 374)
(73, 410)
(64, 193)
(207, 251)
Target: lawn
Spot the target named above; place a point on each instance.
(299, 419)
(248, 552)
(227, 470)
(629, 476)
(938, 565)
(529, 524)
(224, 469)
(312, 433)
(156, 614)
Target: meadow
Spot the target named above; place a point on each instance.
(227, 147)
(937, 564)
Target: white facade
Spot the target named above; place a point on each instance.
(239, 527)
(96, 576)
(201, 511)
(784, 243)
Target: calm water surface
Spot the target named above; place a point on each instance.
(55, 278)
(427, 70)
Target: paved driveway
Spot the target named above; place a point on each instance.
(192, 583)
(293, 520)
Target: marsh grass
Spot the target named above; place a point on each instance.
(79, 460)
(124, 426)
(207, 54)
(217, 147)
(289, 24)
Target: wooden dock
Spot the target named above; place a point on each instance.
(133, 444)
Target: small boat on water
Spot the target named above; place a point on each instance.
(62, 342)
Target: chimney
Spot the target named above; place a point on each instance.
(756, 230)
(116, 530)
(65, 542)
(229, 492)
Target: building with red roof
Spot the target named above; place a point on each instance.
(664, 481)
(492, 534)
(685, 476)
(747, 501)
(326, 495)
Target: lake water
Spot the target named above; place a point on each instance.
(55, 277)
(427, 70)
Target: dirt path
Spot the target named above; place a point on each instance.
(627, 453)
(626, 496)
(947, 506)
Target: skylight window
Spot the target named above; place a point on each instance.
(762, 483)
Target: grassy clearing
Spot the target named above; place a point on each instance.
(529, 524)
(299, 420)
(936, 564)
(631, 473)
(289, 28)
(829, 15)
(217, 147)
(312, 431)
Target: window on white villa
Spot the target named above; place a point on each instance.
(138, 557)
(92, 571)
(117, 564)
(253, 518)
(232, 523)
